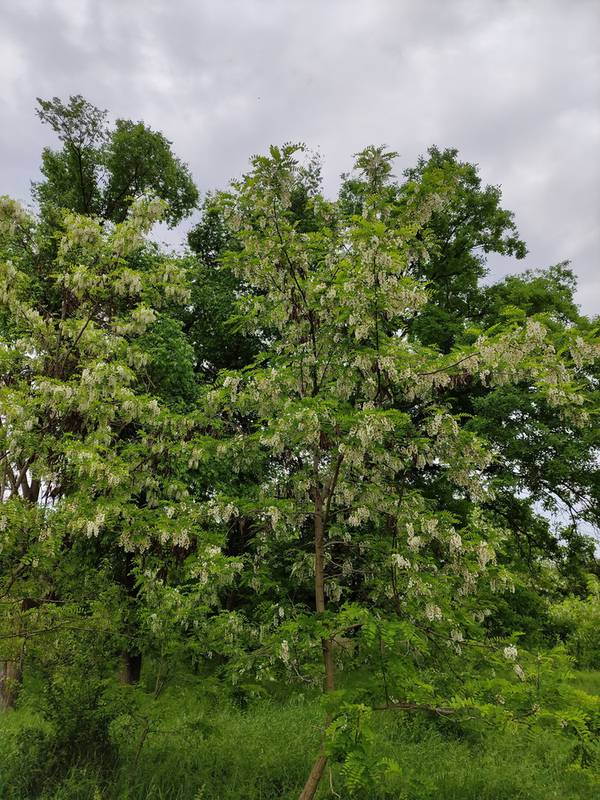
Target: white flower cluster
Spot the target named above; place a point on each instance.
(81, 232)
(358, 516)
(430, 526)
(485, 554)
(93, 527)
(469, 583)
(284, 652)
(143, 316)
(510, 653)
(584, 352)
(333, 590)
(456, 640)
(275, 516)
(128, 283)
(12, 216)
(433, 612)
(400, 562)
(220, 513)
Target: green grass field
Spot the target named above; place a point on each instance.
(191, 745)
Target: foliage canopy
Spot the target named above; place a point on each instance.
(313, 451)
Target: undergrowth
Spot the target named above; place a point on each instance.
(191, 744)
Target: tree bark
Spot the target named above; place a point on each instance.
(11, 676)
(11, 672)
(312, 784)
(320, 590)
(316, 773)
(131, 667)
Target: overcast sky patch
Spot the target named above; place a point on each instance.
(514, 85)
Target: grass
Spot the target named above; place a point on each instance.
(588, 681)
(193, 745)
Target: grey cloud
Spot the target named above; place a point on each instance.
(513, 84)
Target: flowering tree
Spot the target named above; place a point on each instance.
(324, 514)
(344, 420)
(90, 449)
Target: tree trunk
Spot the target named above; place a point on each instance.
(326, 644)
(11, 672)
(11, 675)
(316, 773)
(312, 784)
(131, 667)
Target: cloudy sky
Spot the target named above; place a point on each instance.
(514, 84)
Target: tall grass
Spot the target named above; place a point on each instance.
(191, 745)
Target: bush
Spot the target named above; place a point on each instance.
(69, 745)
(577, 623)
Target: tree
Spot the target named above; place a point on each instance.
(209, 317)
(100, 170)
(344, 418)
(458, 235)
(539, 463)
(210, 320)
(313, 451)
(89, 446)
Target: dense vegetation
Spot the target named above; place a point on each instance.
(302, 511)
